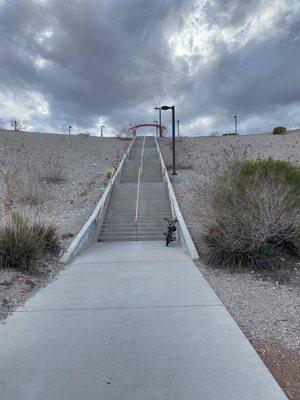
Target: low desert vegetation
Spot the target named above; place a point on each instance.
(16, 123)
(253, 216)
(230, 134)
(109, 173)
(24, 242)
(124, 132)
(279, 130)
(29, 185)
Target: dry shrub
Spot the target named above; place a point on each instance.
(32, 191)
(279, 130)
(109, 173)
(253, 214)
(52, 171)
(24, 242)
(9, 178)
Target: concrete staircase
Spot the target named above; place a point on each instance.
(154, 205)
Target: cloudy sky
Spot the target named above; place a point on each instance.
(93, 62)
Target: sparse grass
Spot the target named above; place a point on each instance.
(52, 172)
(24, 242)
(254, 214)
(30, 185)
(109, 173)
(32, 190)
(9, 177)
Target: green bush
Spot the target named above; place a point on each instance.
(24, 242)
(279, 130)
(254, 213)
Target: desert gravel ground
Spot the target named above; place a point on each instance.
(64, 176)
(266, 308)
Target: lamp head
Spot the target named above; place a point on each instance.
(165, 108)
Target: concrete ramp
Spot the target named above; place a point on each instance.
(129, 321)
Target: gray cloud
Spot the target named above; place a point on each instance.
(116, 60)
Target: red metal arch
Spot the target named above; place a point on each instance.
(134, 128)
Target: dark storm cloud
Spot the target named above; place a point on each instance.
(91, 58)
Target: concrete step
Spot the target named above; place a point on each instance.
(161, 208)
(141, 233)
(143, 224)
(154, 202)
(129, 219)
(129, 239)
(130, 224)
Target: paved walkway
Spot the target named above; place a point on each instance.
(129, 321)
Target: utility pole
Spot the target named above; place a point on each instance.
(235, 122)
(159, 119)
(178, 128)
(101, 127)
(156, 127)
(173, 136)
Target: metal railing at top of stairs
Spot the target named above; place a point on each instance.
(140, 173)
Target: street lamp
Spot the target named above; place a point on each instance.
(70, 129)
(178, 128)
(235, 122)
(101, 127)
(165, 108)
(159, 118)
(156, 127)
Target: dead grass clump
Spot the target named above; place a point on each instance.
(52, 172)
(24, 242)
(254, 213)
(32, 190)
(109, 173)
(9, 178)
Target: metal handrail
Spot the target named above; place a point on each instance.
(138, 189)
(137, 204)
(142, 156)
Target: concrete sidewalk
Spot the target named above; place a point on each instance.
(129, 321)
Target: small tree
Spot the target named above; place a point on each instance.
(279, 130)
(124, 132)
(16, 123)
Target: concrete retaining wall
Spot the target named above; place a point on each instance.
(183, 234)
(90, 231)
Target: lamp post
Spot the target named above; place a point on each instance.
(70, 129)
(178, 128)
(173, 135)
(159, 118)
(235, 123)
(155, 122)
(101, 128)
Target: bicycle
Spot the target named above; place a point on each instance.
(171, 229)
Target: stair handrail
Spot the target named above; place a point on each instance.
(142, 156)
(137, 204)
